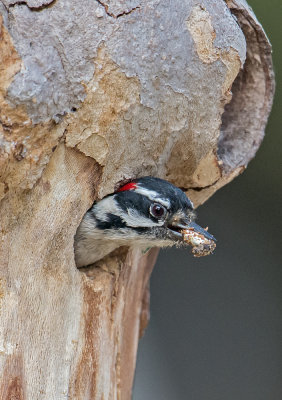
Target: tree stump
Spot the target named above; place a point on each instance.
(92, 94)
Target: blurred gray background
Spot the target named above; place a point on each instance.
(216, 322)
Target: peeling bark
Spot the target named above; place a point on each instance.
(93, 94)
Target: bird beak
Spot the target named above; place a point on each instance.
(177, 227)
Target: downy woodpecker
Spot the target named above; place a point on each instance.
(146, 212)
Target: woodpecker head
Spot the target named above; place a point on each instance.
(147, 211)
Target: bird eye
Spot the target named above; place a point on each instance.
(157, 210)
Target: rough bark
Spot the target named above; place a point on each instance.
(94, 93)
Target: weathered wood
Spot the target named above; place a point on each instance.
(91, 94)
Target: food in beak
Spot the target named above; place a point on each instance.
(201, 244)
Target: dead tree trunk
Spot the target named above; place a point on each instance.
(93, 93)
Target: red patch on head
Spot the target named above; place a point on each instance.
(128, 186)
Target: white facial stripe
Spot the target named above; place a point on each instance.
(133, 218)
(106, 206)
(152, 195)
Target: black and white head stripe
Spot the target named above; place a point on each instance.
(153, 196)
(132, 204)
(159, 191)
(125, 211)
